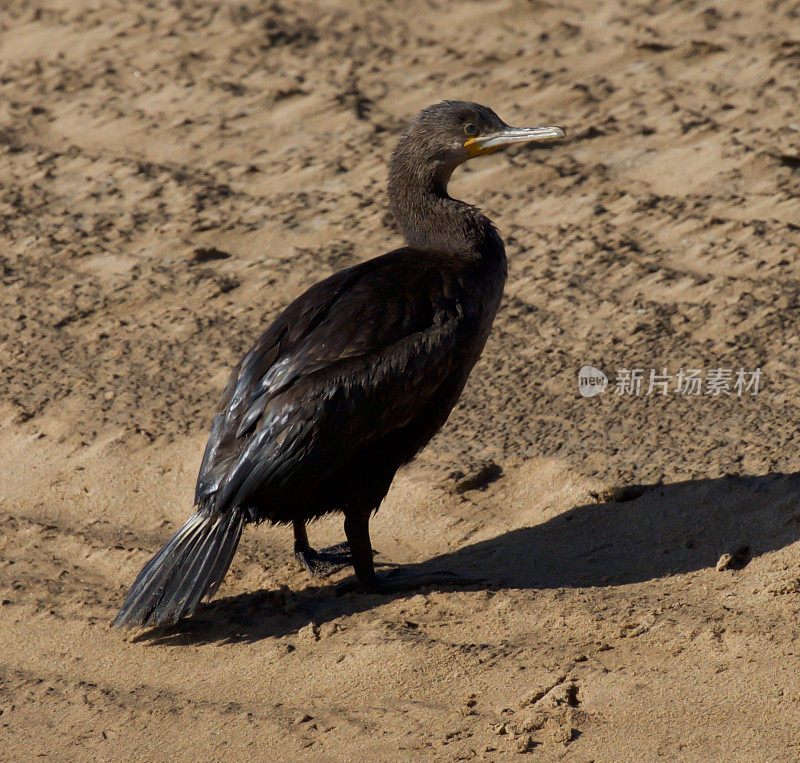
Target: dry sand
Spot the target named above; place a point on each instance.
(173, 173)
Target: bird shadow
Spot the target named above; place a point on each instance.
(639, 533)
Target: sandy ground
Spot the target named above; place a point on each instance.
(173, 173)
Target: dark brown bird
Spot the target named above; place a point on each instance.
(352, 380)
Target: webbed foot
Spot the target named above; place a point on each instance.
(326, 561)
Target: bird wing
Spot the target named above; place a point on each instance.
(353, 358)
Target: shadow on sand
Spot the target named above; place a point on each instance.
(660, 530)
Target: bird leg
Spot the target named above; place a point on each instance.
(322, 562)
(356, 527)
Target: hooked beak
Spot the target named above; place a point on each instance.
(485, 144)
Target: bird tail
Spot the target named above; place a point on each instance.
(191, 565)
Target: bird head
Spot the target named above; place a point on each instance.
(438, 140)
(451, 132)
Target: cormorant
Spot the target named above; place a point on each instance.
(351, 380)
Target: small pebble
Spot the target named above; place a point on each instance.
(734, 560)
(310, 632)
(724, 562)
(525, 744)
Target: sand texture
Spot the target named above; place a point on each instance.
(174, 172)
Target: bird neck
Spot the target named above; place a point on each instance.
(429, 218)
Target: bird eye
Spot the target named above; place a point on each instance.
(471, 129)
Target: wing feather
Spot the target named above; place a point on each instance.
(353, 358)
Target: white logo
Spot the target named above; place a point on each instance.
(591, 381)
